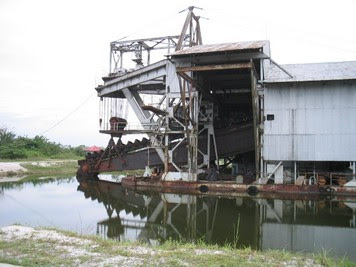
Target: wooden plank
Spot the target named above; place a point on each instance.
(216, 58)
(215, 67)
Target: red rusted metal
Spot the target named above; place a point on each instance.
(137, 158)
(232, 189)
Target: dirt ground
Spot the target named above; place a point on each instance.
(14, 171)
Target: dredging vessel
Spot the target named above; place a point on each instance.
(226, 118)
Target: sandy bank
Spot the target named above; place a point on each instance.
(11, 172)
(15, 167)
(15, 171)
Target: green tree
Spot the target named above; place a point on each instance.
(6, 136)
(18, 147)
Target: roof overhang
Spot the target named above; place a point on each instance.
(209, 49)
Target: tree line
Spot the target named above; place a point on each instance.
(22, 147)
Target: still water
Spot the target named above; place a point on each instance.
(110, 211)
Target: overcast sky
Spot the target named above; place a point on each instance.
(54, 53)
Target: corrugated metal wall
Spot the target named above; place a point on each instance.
(313, 121)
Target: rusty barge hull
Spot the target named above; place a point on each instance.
(232, 189)
(231, 141)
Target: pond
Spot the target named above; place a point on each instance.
(107, 209)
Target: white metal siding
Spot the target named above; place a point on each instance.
(312, 121)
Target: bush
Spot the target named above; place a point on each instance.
(12, 147)
(12, 152)
(79, 150)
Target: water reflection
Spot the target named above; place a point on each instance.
(38, 181)
(296, 225)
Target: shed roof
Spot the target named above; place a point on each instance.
(311, 72)
(216, 48)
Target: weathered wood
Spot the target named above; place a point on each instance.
(183, 60)
(184, 30)
(215, 67)
(255, 111)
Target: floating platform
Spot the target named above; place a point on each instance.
(233, 189)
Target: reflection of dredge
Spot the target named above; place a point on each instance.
(157, 217)
(227, 114)
(258, 223)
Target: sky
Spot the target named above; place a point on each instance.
(53, 53)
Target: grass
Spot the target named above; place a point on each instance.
(92, 250)
(57, 168)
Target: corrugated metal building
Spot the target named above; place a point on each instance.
(312, 116)
(299, 114)
(307, 111)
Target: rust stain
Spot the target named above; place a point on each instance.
(225, 47)
(231, 189)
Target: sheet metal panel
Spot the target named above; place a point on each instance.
(312, 122)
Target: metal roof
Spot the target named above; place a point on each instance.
(216, 48)
(312, 72)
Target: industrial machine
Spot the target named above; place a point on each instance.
(224, 112)
(201, 119)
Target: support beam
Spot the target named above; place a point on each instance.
(140, 103)
(182, 61)
(184, 30)
(136, 77)
(215, 67)
(256, 120)
(279, 66)
(274, 170)
(141, 115)
(135, 102)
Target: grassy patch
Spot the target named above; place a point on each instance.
(50, 168)
(29, 253)
(91, 250)
(9, 174)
